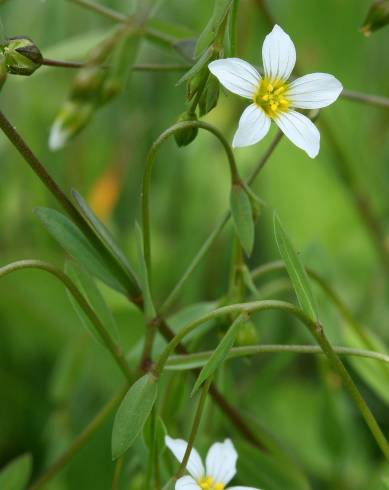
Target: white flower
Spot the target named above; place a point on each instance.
(274, 97)
(220, 466)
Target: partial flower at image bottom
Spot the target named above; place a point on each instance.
(274, 97)
(219, 470)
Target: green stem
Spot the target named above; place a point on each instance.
(117, 472)
(122, 275)
(375, 100)
(101, 10)
(110, 344)
(316, 331)
(80, 440)
(195, 427)
(199, 359)
(160, 67)
(218, 228)
(149, 167)
(233, 27)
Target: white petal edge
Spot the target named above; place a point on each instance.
(314, 91)
(194, 466)
(300, 130)
(254, 125)
(186, 483)
(58, 137)
(236, 75)
(278, 55)
(221, 461)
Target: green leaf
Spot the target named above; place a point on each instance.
(144, 275)
(201, 63)
(16, 474)
(102, 231)
(95, 299)
(77, 245)
(132, 414)
(242, 216)
(377, 17)
(220, 353)
(221, 9)
(296, 271)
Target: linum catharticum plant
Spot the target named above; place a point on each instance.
(196, 373)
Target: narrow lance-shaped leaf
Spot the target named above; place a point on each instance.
(242, 215)
(90, 290)
(103, 233)
(208, 35)
(76, 245)
(220, 354)
(16, 474)
(296, 271)
(133, 413)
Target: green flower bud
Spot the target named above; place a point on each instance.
(88, 83)
(377, 17)
(209, 97)
(247, 334)
(21, 55)
(71, 119)
(185, 136)
(3, 70)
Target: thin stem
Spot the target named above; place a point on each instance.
(149, 167)
(80, 440)
(110, 344)
(128, 282)
(62, 64)
(161, 67)
(117, 472)
(199, 359)
(233, 28)
(360, 198)
(195, 427)
(376, 100)
(101, 10)
(316, 331)
(218, 228)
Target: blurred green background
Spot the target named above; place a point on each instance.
(315, 422)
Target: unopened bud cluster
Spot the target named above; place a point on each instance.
(21, 56)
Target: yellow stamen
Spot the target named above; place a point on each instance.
(207, 483)
(270, 97)
(270, 87)
(266, 97)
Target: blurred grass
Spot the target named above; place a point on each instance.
(189, 193)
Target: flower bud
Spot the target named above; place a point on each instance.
(209, 97)
(88, 82)
(377, 17)
(185, 136)
(247, 334)
(70, 120)
(22, 56)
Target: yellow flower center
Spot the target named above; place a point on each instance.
(207, 483)
(270, 97)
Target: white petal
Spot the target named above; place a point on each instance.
(58, 137)
(314, 91)
(278, 55)
(253, 126)
(186, 483)
(236, 75)
(300, 130)
(221, 461)
(178, 447)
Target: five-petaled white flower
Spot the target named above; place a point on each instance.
(274, 97)
(220, 466)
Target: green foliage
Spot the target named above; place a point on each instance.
(296, 271)
(377, 17)
(242, 216)
(132, 414)
(16, 474)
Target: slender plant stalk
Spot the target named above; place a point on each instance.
(199, 359)
(234, 29)
(235, 178)
(102, 10)
(316, 331)
(128, 282)
(80, 440)
(117, 473)
(375, 100)
(110, 344)
(195, 427)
